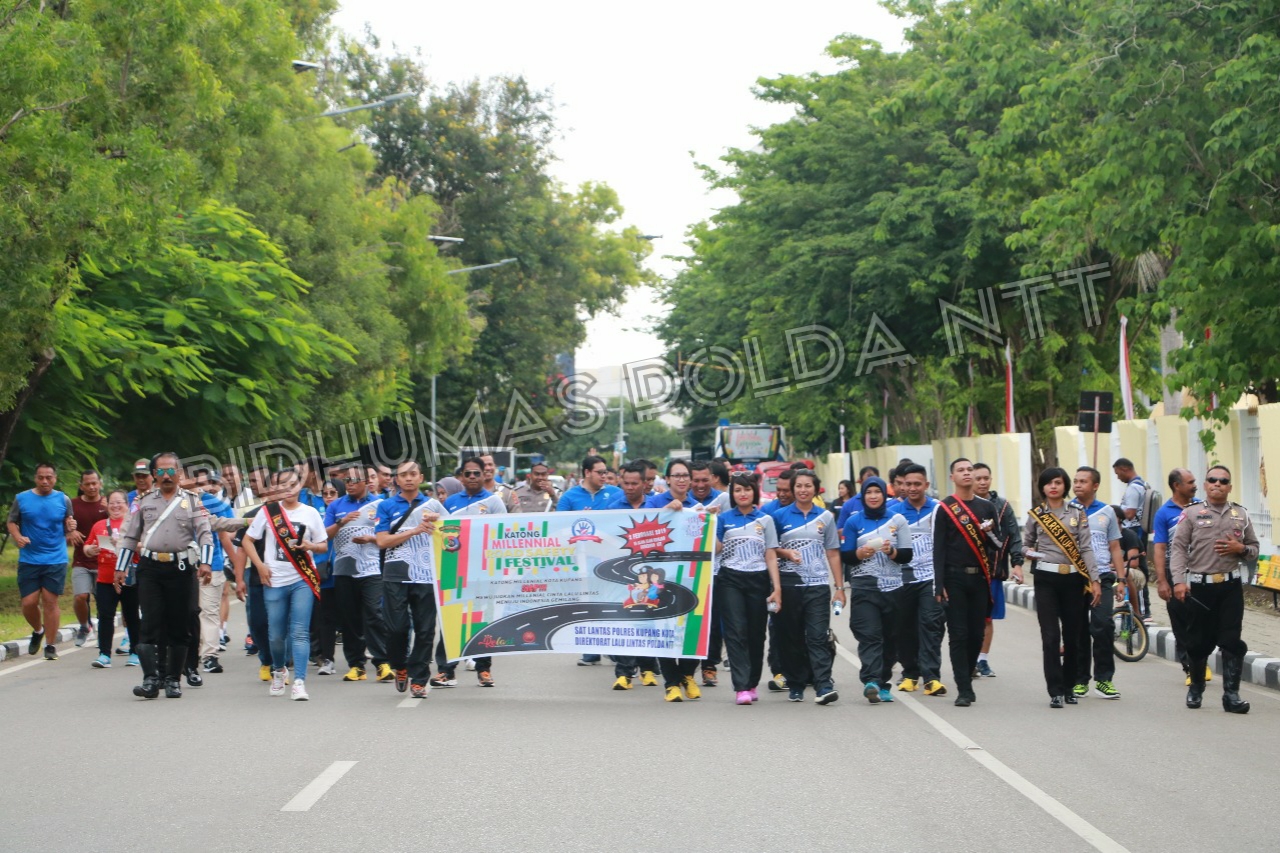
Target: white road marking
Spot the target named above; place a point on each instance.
(549, 618)
(309, 795)
(522, 627)
(608, 611)
(21, 666)
(1095, 837)
(580, 612)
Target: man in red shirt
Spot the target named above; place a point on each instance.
(88, 509)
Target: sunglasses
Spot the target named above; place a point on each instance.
(353, 479)
(172, 472)
(472, 474)
(1226, 481)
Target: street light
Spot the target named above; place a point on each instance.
(301, 65)
(390, 99)
(434, 238)
(501, 263)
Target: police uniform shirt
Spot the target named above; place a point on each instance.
(920, 524)
(187, 523)
(878, 569)
(812, 533)
(1073, 518)
(528, 500)
(745, 538)
(349, 558)
(482, 502)
(412, 561)
(507, 495)
(1103, 530)
(1191, 551)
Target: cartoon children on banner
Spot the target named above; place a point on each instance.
(644, 592)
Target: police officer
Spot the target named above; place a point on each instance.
(1205, 558)
(168, 521)
(536, 494)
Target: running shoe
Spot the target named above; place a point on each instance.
(299, 690)
(50, 653)
(827, 695)
(385, 672)
(356, 673)
(886, 695)
(743, 697)
(649, 678)
(264, 672)
(985, 670)
(755, 697)
(795, 694)
(1208, 673)
(908, 685)
(34, 645)
(871, 691)
(935, 688)
(443, 680)
(82, 634)
(623, 683)
(963, 701)
(123, 648)
(103, 661)
(1055, 701)
(691, 690)
(709, 676)
(211, 664)
(484, 678)
(1080, 691)
(133, 661)
(674, 694)
(417, 691)
(277, 682)
(225, 638)
(778, 683)
(1105, 690)
(326, 667)
(402, 680)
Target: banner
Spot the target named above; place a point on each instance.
(617, 582)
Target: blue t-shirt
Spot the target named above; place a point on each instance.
(578, 498)
(659, 501)
(342, 506)
(621, 502)
(772, 507)
(849, 507)
(216, 506)
(316, 502)
(42, 519)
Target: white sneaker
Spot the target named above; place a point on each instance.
(326, 668)
(470, 666)
(300, 691)
(277, 682)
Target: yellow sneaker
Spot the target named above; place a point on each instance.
(1208, 673)
(778, 684)
(673, 695)
(1188, 681)
(264, 673)
(691, 689)
(385, 672)
(623, 683)
(935, 688)
(908, 685)
(648, 678)
(356, 673)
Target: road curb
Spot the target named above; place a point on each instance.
(17, 648)
(1259, 669)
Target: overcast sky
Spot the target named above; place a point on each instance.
(637, 88)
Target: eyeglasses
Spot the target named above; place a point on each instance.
(172, 472)
(472, 474)
(1226, 481)
(677, 476)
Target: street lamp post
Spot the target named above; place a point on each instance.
(501, 263)
(389, 99)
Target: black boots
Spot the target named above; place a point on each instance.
(1232, 669)
(1195, 693)
(150, 687)
(177, 659)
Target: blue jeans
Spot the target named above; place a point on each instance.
(289, 617)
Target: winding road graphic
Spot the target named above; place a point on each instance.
(543, 622)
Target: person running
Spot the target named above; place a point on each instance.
(809, 548)
(677, 673)
(921, 619)
(88, 508)
(877, 544)
(747, 542)
(625, 667)
(405, 524)
(41, 523)
(1057, 538)
(292, 531)
(101, 544)
(1008, 554)
(474, 499)
(351, 523)
(962, 561)
(1097, 627)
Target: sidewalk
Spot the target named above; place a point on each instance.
(16, 648)
(1261, 633)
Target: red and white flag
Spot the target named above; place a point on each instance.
(1126, 384)
(1008, 390)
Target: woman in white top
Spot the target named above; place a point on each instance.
(289, 599)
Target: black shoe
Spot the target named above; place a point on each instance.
(172, 690)
(963, 701)
(1195, 698)
(1071, 699)
(1055, 701)
(36, 639)
(1195, 691)
(147, 658)
(193, 678)
(1232, 670)
(211, 664)
(50, 652)
(149, 689)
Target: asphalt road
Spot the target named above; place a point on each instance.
(553, 759)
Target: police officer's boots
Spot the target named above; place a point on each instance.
(150, 687)
(1232, 669)
(1195, 693)
(177, 657)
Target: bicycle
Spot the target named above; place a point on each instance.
(1130, 637)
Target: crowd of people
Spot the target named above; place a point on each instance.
(318, 551)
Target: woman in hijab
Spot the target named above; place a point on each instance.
(877, 544)
(447, 487)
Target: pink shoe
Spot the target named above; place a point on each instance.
(744, 697)
(755, 697)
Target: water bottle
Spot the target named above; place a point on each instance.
(836, 608)
(772, 607)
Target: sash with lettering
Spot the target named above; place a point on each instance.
(972, 534)
(1062, 537)
(297, 557)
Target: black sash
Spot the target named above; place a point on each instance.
(297, 557)
(1062, 537)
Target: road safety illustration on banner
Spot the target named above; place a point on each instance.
(618, 582)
